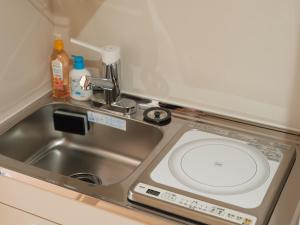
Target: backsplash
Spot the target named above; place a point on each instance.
(25, 47)
(240, 58)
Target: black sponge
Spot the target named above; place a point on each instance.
(71, 122)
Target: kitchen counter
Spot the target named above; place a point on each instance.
(49, 201)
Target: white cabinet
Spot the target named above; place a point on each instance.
(13, 216)
(25, 204)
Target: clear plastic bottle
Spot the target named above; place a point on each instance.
(60, 67)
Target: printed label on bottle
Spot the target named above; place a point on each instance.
(78, 90)
(57, 70)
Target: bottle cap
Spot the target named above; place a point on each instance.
(78, 62)
(58, 44)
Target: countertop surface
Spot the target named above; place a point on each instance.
(286, 211)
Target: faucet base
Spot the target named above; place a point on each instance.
(124, 105)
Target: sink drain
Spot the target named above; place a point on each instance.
(87, 177)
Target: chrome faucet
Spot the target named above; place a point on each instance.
(106, 90)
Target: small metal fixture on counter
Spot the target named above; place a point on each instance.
(157, 115)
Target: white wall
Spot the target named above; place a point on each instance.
(240, 58)
(25, 43)
(234, 57)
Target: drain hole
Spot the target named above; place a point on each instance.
(87, 177)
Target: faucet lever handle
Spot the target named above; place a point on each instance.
(103, 83)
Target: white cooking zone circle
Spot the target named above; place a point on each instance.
(217, 167)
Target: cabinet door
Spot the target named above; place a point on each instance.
(13, 216)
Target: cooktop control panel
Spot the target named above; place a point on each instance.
(195, 204)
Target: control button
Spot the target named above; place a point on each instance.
(220, 211)
(213, 210)
(205, 208)
(198, 205)
(193, 205)
(247, 221)
(173, 197)
(239, 218)
(230, 216)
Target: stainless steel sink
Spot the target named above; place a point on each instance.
(66, 157)
(103, 163)
(106, 152)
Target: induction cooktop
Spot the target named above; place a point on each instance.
(215, 176)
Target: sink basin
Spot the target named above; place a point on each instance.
(105, 152)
